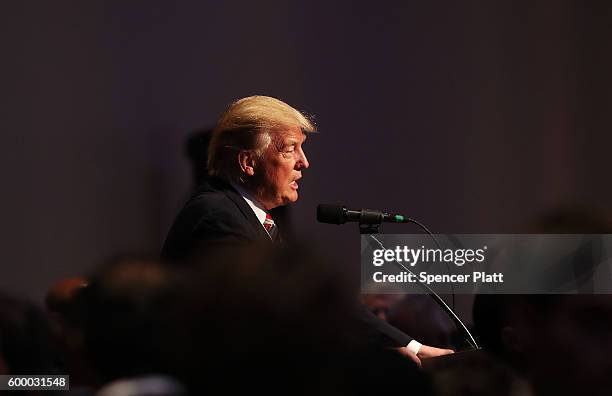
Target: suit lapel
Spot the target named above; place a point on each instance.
(244, 208)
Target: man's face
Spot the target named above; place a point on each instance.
(277, 175)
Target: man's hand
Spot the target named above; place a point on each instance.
(425, 352)
(410, 355)
(429, 352)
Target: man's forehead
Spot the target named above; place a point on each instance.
(291, 135)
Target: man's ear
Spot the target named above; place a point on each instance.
(247, 162)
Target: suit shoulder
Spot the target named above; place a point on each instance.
(208, 216)
(206, 204)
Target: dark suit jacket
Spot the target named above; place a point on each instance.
(217, 213)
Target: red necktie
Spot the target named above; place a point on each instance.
(271, 227)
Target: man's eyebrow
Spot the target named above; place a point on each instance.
(298, 139)
(292, 140)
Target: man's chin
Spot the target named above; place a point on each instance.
(290, 198)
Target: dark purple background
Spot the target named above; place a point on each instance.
(472, 116)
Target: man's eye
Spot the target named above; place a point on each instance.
(288, 153)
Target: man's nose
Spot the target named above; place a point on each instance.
(302, 161)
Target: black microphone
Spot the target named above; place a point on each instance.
(338, 214)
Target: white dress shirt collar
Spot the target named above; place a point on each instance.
(260, 212)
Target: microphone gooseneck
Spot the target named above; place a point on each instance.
(369, 220)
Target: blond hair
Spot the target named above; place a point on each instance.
(248, 124)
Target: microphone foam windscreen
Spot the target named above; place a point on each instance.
(333, 214)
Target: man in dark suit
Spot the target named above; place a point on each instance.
(255, 160)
